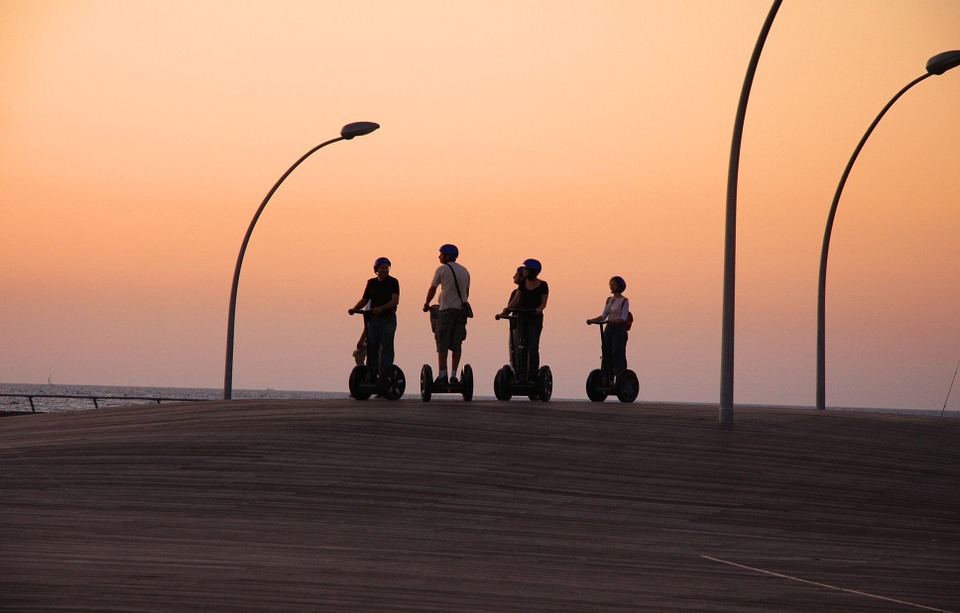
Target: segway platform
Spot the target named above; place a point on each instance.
(429, 387)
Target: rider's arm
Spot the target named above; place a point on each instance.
(394, 301)
(430, 294)
(543, 304)
(602, 316)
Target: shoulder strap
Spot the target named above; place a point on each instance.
(455, 282)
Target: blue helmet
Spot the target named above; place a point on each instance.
(381, 261)
(450, 250)
(533, 265)
(620, 282)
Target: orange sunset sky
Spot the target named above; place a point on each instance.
(139, 137)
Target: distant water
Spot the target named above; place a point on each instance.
(104, 392)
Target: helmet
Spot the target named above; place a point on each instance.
(450, 250)
(533, 265)
(381, 261)
(620, 282)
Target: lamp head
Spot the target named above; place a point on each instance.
(358, 128)
(943, 62)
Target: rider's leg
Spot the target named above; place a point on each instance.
(442, 363)
(616, 345)
(534, 328)
(386, 340)
(458, 335)
(373, 346)
(454, 363)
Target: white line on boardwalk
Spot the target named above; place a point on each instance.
(832, 587)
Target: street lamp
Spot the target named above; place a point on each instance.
(936, 65)
(349, 131)
(730, 241)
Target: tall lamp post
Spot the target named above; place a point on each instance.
(346, 133)
(936, 65)
(730, 240)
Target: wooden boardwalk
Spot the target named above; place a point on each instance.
(340, 505)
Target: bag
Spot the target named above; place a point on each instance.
(629, 320)
(467, 309)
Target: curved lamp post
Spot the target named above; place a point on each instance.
(936, 65)
(349, 131)
(730, 242)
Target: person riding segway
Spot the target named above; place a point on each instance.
(524, 375)
(448, 320)
(613, 376)
(379, 375)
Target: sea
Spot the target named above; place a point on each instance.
(48, 398)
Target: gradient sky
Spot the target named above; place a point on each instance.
(139, 137)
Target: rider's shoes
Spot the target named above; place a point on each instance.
(441, 380)
(454, 381)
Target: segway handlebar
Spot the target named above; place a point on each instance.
(513, 313)
(365, 312)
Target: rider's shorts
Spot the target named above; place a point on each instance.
(451, 330)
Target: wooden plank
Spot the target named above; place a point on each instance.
(292, 505)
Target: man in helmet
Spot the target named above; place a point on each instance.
(454, 282)
(532, 298)
(383, 295)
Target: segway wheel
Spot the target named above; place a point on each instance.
(392, 382)
(595, 385)
(466, 383)
(426, 381)
(544, 383)
(627, 386)
(358, 376)
(502, 383)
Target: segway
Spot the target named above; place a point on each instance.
(601, 382)
(429, 387)
(505, 383)
(364, 381)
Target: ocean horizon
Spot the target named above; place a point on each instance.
(120, 395)
(15, 397)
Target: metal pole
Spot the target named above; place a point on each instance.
(822, 280)
(937, 65)
(231, 317)
(348, 132)
(730, 244)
